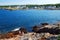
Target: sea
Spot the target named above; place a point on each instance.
(12, 19)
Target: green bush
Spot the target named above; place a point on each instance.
(58, 37)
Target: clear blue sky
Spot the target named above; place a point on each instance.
(20, 2)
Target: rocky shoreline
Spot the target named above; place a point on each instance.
(43, 32)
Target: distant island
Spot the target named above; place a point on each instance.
(41, 7)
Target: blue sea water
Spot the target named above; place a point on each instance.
(10, 20)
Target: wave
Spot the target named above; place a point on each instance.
(16, 29)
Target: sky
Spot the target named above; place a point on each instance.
(23, 2)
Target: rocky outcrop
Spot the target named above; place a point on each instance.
(49, 30)
(46, 28)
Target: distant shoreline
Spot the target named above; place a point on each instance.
(25, 7)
